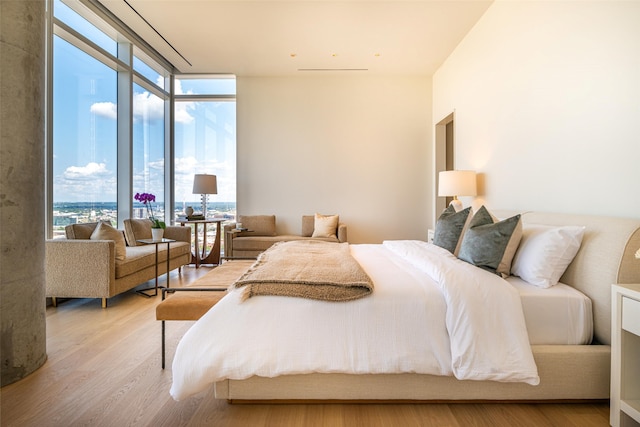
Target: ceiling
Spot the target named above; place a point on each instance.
(294, 37)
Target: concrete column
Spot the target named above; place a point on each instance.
(22, 208)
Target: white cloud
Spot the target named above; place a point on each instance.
(185, 165)
(105, 109)
(157, 165)
(178, 89)
(182, 112)
(92, 182)
(182, 108)
(147, 106)
(91, 171)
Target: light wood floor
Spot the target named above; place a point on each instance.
(103, 369)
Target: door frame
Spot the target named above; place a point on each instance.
(443, 159)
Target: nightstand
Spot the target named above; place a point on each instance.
(625, 355)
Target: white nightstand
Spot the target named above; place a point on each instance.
(625, 355)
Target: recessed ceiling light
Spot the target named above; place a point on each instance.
(293, 55)
(334, 54)
(376, 54)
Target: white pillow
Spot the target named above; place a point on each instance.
(545, 252)
(105, 231)
(325, 225)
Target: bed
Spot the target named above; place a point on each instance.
(570, 361)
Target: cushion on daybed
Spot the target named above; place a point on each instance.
(260, 225)
(255, 243)
(450, 228)
(262, 243)
(307, 225)
(325, 225)
(491, 244)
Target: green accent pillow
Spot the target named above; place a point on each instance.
(491, 244)
(449, 228)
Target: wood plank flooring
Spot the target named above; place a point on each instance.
(103, 369)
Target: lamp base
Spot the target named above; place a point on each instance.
(204, 205)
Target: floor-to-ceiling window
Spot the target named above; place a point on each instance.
(109, 136)
(148, 148)
(205, 141)
(84, 137)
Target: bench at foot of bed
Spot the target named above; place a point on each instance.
(193, 301)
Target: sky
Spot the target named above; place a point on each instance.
(85, 130)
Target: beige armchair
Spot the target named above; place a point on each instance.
(261, 235)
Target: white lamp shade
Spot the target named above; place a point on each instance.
(457, 183)
(205, 184)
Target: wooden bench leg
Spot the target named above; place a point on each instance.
(54, 301)
(104, 303)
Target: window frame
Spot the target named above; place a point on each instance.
(123, 64)
(129, 45)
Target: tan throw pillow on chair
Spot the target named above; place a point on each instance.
(104, 231)
(325, 225)
(136, 229)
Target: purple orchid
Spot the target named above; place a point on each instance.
(146, 199)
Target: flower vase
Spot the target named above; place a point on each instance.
(157, 233)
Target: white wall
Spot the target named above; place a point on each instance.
(358, 146)
(546, 97)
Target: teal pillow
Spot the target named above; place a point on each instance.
(491, 244)
(449, 228)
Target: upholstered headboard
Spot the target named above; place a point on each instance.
(606, 256)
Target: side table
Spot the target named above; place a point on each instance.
(201, 257)
(625, 355)
(157, 243)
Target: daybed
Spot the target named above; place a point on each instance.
(80, 266)
(566, 371)
(262, 234)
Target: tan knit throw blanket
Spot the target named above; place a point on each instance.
(307, 269)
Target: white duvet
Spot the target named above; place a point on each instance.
(429, 313)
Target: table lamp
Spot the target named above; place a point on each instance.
(204, 185)
(457, 183)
